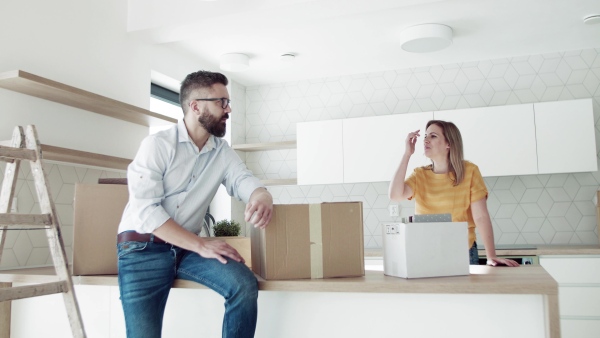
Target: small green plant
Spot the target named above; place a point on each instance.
(227, 228)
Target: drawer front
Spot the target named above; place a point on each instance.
(579, 301)
(573, 269)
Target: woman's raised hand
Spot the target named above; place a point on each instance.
(411, 140)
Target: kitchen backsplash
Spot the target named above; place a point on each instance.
(30, 247)
(536, 209)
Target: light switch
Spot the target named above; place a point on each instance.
(394, 210)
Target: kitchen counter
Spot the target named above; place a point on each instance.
(483, 279)
(525, 250)
(487, 286)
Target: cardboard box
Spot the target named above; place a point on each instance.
(417, 250)
(310, 241)
(97, 213)
(598, 213)
(241, 244)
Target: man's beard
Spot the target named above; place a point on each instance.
(213, 125)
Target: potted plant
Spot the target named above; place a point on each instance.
(229, 231)
(227, 228)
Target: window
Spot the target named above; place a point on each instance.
(166, 102)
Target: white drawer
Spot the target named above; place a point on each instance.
(573, 269)
(584, 328)
(579, 301)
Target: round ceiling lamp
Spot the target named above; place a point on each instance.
(287, 57)
(426, 38)
(234, 62)
(591, 19)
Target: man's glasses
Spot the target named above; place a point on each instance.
(224, 101)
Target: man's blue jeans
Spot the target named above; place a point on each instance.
(147, 271)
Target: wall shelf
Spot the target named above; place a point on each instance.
(282, 181)
(58, 154)
(30, 84)
(265, 146)
(52, 153)
(270, 146)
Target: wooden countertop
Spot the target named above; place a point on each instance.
(538, 250)
(541, 250)
(531, 279)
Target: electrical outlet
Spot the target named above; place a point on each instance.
(392, 228)
(394, 210)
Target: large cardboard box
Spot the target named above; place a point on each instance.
(417, 250)
(97, 213)
(310, 241)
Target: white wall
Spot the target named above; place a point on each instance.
(83, 44)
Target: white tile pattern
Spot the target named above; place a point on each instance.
(30, 247)
(536, 209)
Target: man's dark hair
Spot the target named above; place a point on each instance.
(197, 80)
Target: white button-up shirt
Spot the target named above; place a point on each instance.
(171, 178)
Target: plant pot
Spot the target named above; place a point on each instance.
(240, 243)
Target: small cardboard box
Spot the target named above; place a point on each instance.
(97, 213)
(310, 241)
(240, 243)
(417, 250)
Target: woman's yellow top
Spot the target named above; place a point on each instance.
(436, 194)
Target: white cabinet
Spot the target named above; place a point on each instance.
(566, 136)
(578, 278)
(525, 139)
(373, 146)
(320, 152)
(499, 140)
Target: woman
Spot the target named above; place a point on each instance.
(449, 185)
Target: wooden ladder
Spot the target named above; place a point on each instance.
(25, 146)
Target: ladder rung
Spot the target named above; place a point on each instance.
(28, 291)
(25, 219)
(9, 153)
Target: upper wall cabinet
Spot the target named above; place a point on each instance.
(499, 140)
(566, 136)
(559, 137)
(320, 152)
(373, 146)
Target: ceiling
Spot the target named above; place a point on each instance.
(343, 37)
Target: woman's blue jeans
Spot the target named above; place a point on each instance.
(147, 271)
(474, 255)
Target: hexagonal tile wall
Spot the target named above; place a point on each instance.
(536, 209)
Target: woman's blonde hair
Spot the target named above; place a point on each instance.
(456, 154)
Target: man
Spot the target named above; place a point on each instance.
(172, 181)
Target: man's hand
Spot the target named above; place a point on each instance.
(259, 208)
(173, 233)
(218, 250)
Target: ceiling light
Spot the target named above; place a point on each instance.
(234, 62)
(426, 38)
(287, 57)
(591, 19)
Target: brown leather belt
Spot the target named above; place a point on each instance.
(132, 236)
